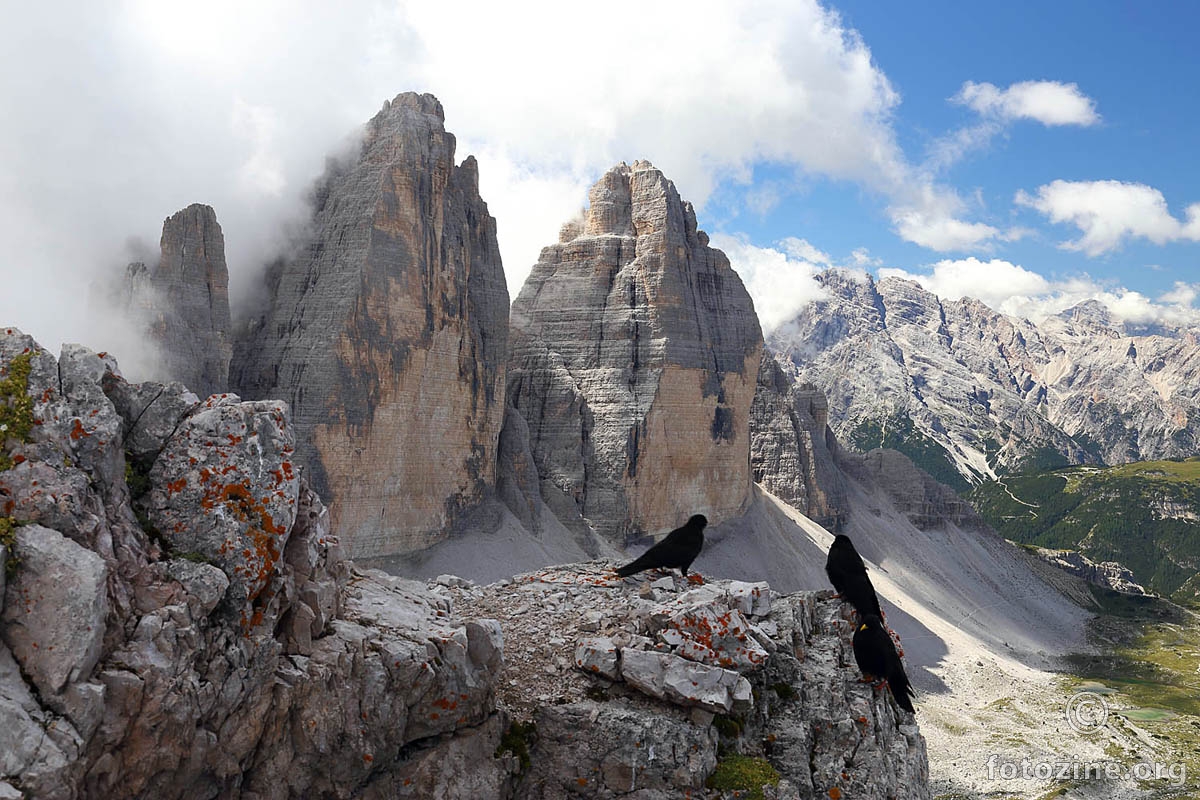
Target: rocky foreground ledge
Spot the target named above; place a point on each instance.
(652, 687)
(176, 622)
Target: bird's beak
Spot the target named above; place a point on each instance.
(863, 627)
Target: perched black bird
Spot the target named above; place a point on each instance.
(678, 549)
(848, 574)
(876, 655)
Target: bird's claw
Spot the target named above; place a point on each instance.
(696, 579)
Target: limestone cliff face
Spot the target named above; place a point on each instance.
(387, 336)
(183, 301)
(635, 352)
(793, 451)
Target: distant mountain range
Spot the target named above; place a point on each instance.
(1156, 534)
(969, 393)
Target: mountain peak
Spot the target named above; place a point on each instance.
(421, 102)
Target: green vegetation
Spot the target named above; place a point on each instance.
(784, 690)
(1150, 671)
(16, 406)
(735, 773)
(137, 478)
(897, 432)
(8, 539)
(1144, 515)
(728, 727)
(516, 740)
(1041, 459)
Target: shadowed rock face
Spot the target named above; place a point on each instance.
(635, 351)
(793, 451)
(387, 336)
(184, 301)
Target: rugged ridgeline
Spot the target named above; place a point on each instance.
(387, 336)
(182, 302)
(1155, 540)
(634, 359)
(175, 622)
(968, 392)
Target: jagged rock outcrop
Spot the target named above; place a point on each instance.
(641, 687)
(387, 336)
(793, 451)
(1109, 574)
(223, 649)
(635, 353)
(969, 392)
(131, 665)
(913, 492)
(183, 301)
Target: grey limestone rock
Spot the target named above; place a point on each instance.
(1109, 574)
(183, 300)
(926, 503)
(387, 336)
(635, 350)
(54, 618)
(224, 488)
(793, 451)
(119, 676)
(994, 392)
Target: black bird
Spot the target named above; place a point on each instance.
(848, 574)
(678, 549)
(876, 655)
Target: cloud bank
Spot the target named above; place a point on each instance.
(1019, 292)
(779, 281)
(117, 116)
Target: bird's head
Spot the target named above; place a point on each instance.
(870, 621)
(698, 521)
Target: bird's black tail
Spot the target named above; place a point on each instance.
(901, 689)
(637, 565)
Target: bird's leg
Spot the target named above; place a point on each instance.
(696, 579)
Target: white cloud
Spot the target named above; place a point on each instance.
(115, 117)
(994, 282)
(1011, 289)
(1108, 212)
(942, 232)
(262, 170)
(779, 281)
(1183, 294)
(1048, 102)
(861, 257)
(802, 250)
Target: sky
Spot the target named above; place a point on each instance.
(1032, 155)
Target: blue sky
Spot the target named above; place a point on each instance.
(806, 134)
(1136, 62)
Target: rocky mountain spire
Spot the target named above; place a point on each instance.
(635, 353)
(183, 301)
(387, 335)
